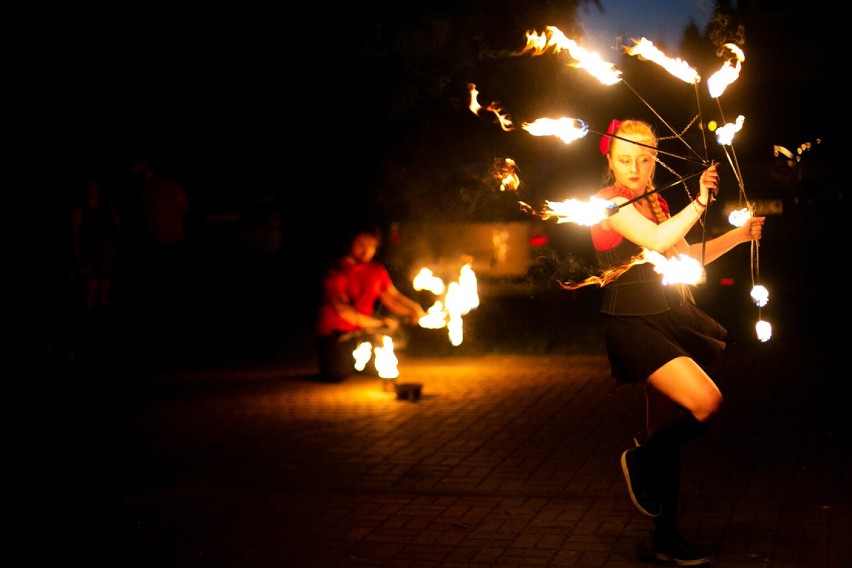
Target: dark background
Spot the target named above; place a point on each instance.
(283, 127)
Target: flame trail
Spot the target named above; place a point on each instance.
(570, 129)
(503, 119)
(552, 37)
(679, 269)
(719, 81)
(646, 50)
(566, 129)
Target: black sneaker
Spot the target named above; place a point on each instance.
(675, 549)
(639, 486)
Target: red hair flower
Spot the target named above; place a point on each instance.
(605, 140)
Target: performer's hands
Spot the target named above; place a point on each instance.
(708, 185)
(752, 229)
(392, 324)
(418, 314)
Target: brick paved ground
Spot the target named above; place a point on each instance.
(506, 460)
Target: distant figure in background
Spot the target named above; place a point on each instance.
(95, 231)
(162, 256)
(95, 228)
(164, 206)
(351, 289)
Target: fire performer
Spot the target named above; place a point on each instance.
(352, 288)
(655, 334)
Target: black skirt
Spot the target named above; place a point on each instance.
(639, 345)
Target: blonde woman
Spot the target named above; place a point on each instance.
(655, 335)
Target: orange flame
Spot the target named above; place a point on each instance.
(474, 95)
(507, 172)
(719, 81)
(586, 213)
(503, 118)
(385, 360)
(566, 129)
(460, 298)
(426, 280)
(552, 37)
(362, 354)
(738, 217)
(680, 269)
(645, 49)
(725, 134)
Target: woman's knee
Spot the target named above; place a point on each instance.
(708, 407)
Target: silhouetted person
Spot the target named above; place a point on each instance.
(95, 229)
(162, 255)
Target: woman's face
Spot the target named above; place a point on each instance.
(632, 165)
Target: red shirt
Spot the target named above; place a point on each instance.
(606, 239)
(359, 284)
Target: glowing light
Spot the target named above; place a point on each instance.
(386, 361)
(436, 316)
(459, 299)
(760, 295)
(645, 49)
(676, 270)
(467, 287)
(680, 269)
(425, 280)
(725, 134)
(362, 355)
(763, 330)
(455, 307)
(474, 95)
(719, 81)
(738, 217)
(553, 38)
(586, 213)
(781, 150)
(566, 129)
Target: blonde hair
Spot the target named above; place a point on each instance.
(645, 133)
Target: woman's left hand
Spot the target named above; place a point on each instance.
(753, 228)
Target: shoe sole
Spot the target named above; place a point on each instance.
(626, 473)
(679, 562)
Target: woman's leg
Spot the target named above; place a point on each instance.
(670, 425)
(683, 382)
(679, 393)
(682, 398)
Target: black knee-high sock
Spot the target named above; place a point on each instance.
(668, 490)
(678, 428)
